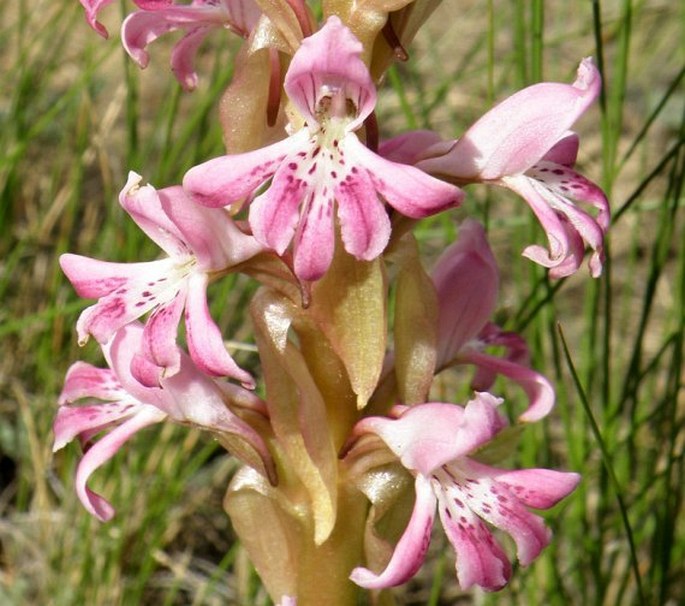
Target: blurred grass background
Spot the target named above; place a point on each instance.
(76, 115)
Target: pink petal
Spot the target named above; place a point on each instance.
(72, 421)
(564, 151)
(101, 452)
(92, 8)
(205, 342)
(538, 488)
(409, 148)
(428, 436)
(518, 132)
(143, 27)
(539, 390)
(120, 353)
(84, 380)
(213, 237)
(149, 285)
(228, 179)
(93, 279)
(499, 506)
(329, 64)
(407, 189)
(480, 558)
(364, 221)
(315, 238)
(467, 282)
(146, 206)
(183, 57)
(554, 185)
(274, 215)
(423, 437)
(200, 401)
(411, 549)
(161, 329)
(560, 248)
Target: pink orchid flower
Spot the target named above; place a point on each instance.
(322, 165)
(197, 19)
(433, 441)
(524, 144)
(119, 404)
(158, 17)
(466, 279)
(200, 243)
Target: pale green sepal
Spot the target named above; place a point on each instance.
(349, 305)
(296, 409)
(416, 319)
(267, 528)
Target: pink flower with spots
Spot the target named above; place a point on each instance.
(435, 442)
(158, 17)
(466, 279)
(524, 144)
(118, 404)
(201, 244)
(322, 167)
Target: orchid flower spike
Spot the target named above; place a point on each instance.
(524, 144)
(200, 243)
(435, 442)
(466, 279)
(322, 166)
(119, 404)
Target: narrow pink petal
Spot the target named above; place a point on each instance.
(466, 278)
(411, 549)
(101, 452)
(539, 390)
(84, 380)
(538, 488)
(183, 57)
(144, 27)
(274, 215)
(205, 342)
(161, 330)
(92, 8)
(518, 132)
(407, 189)
(480, 558)
(329, 64)
(364, 221)
(315, 237)
(72, 421)
(499, 506)
(228, 179)
(480, 423)
(92, 278)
